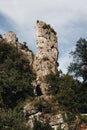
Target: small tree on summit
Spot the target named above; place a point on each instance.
(79, 65)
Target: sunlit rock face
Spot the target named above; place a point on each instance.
(10, 37)
(45, 61)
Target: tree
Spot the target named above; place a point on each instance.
(70, 93)
(79, 69)
(9, 120)
(41, 126)
(16, 76)
(79, 65)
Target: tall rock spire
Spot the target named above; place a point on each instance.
(45, 61)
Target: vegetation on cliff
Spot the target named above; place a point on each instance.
(16, 76)
(71, 93)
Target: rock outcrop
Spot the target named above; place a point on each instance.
(43, 107)
(11, 38)
(45, 61)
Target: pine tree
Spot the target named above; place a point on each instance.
(79, 65)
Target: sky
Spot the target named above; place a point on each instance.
(67, 17)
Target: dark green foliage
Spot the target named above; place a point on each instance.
(38, 125)
(53, 79)
(79, 65)
(1, 36)
(70, 93)
(49, 27)
(16, 76)
(10, 120)
(43, 105)
(46, 26)
(70, 118)
(82, 98)
(79, 69)
(41, 126)
(67, 92)
(24, 46)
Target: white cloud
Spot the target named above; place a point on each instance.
(64, 62)
(60, 11)
(66, 16)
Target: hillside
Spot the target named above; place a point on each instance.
(34, 95)
(16, 76)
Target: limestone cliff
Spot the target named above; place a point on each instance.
(11, 38)
(43, 107)
(45, 61)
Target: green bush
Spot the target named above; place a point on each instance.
(9, 120)
(16, 78)
(70, 93)
(41, 126)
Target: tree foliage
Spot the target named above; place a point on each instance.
(69, 92)
(41, 126)
(79, 65)
(16, 78)
(9, 120)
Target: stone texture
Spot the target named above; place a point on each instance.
(45, 61)
(43, 108)
(10, 37)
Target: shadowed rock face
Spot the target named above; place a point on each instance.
(45, 61)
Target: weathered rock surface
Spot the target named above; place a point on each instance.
(42, 109)
(11, 38)
(45, 61)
